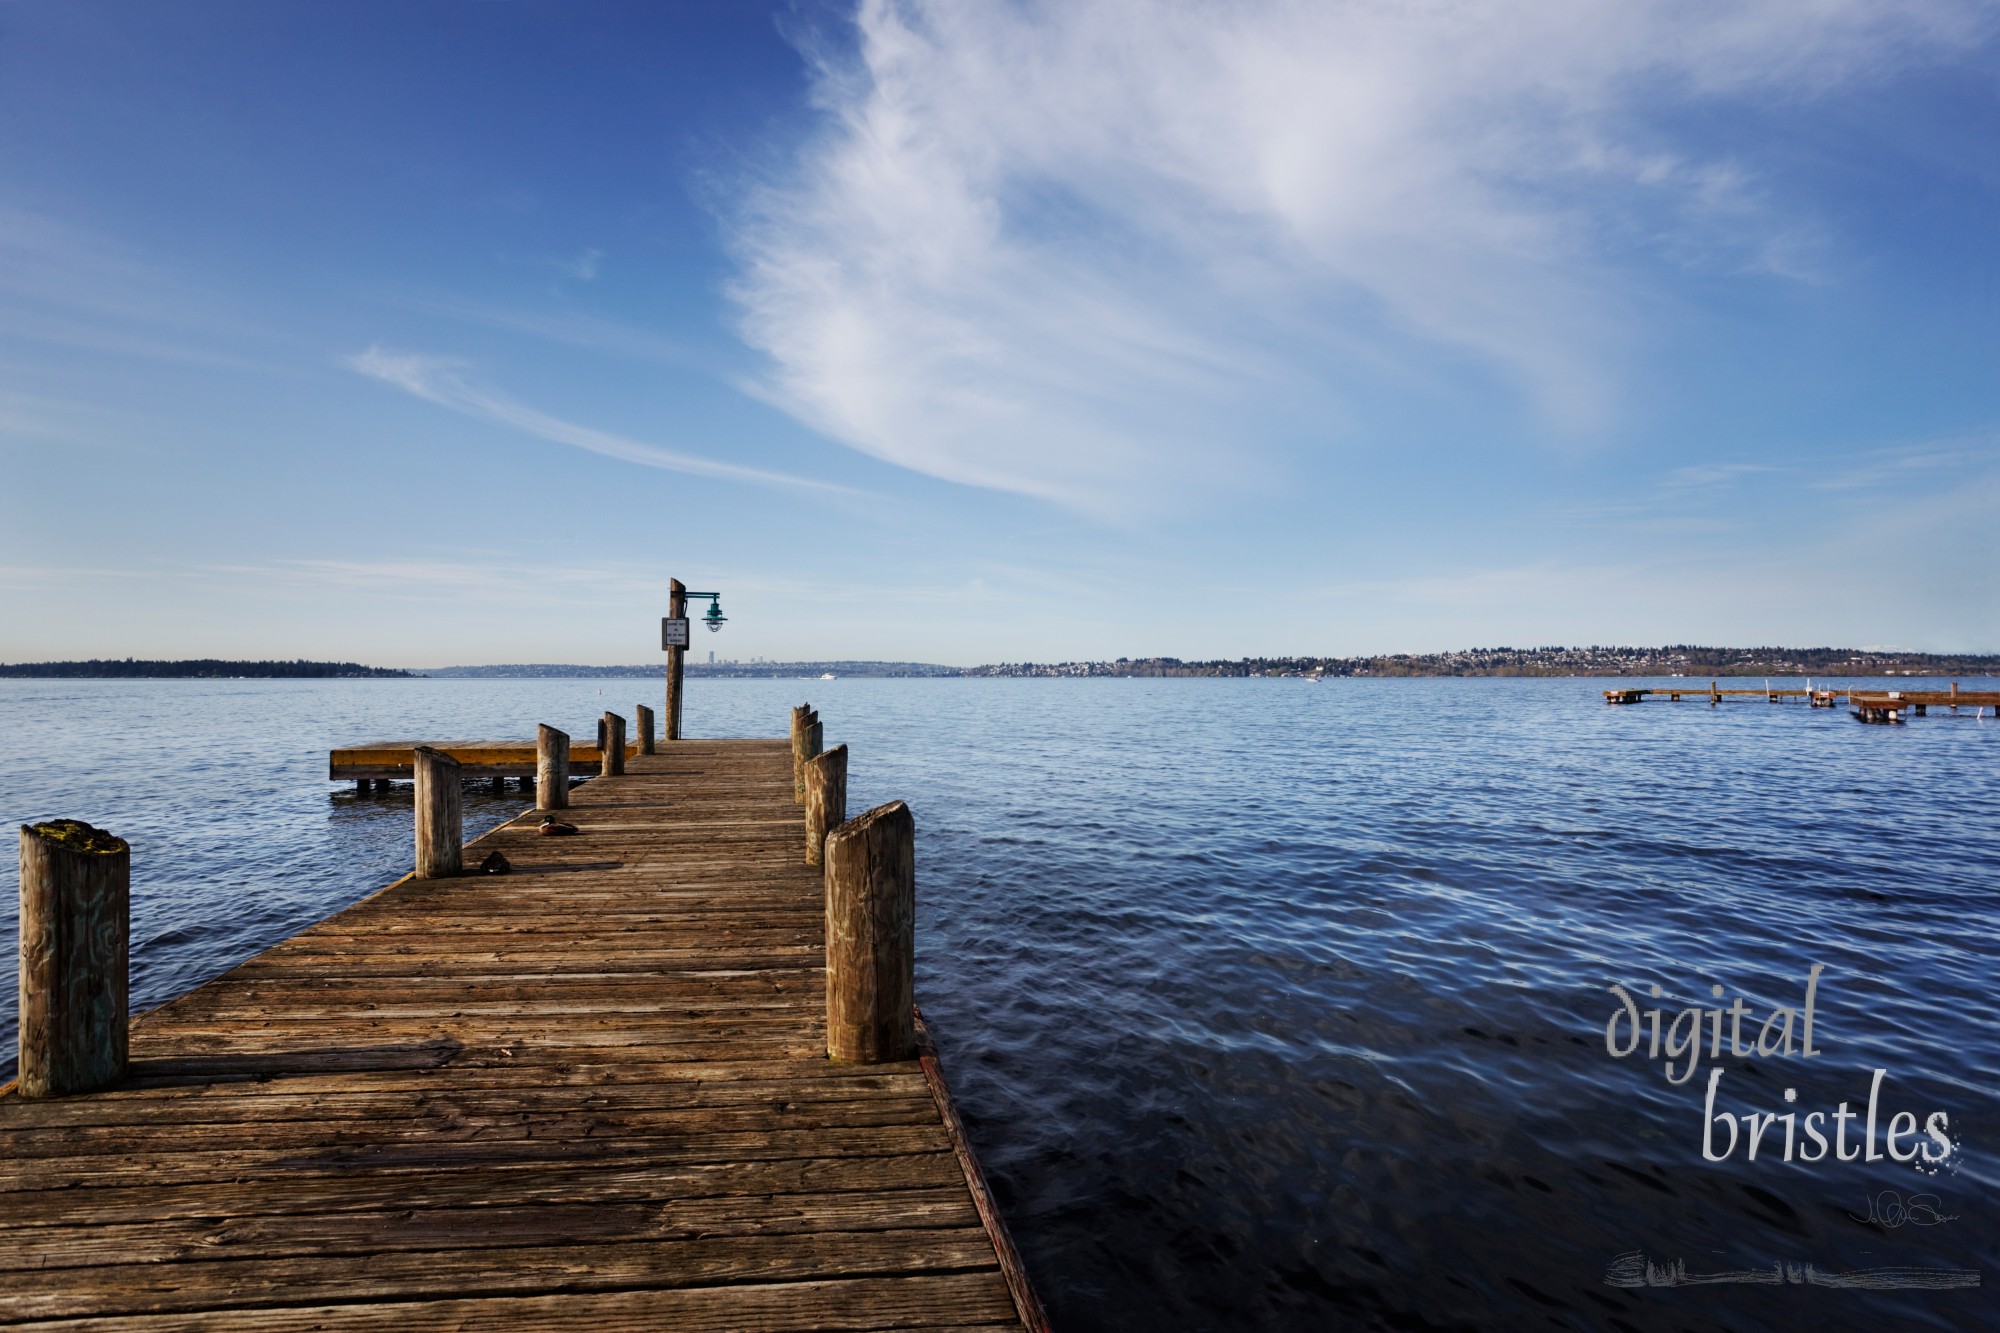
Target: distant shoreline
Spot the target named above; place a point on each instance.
(204, 668)
(1592, 663)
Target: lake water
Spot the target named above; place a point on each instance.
(1275, 1004)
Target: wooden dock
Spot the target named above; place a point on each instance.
(1710, 692)
(1869, 705)
(1891, 705)
(592, 1092)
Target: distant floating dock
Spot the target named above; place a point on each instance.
(1877, 706)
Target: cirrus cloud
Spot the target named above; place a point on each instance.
(1077, 250)
(439, 380)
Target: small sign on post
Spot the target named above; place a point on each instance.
(673, 632)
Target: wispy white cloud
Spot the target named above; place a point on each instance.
(71, 287)
(1076, 249)
(438, 380)
(1709, 476)
(1932, 462)
(573, 328)
(443, 579)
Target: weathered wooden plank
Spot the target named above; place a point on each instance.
(521, 963)
(423, 1155)
(184, 1238)
(660, 985)
(469, 1067)
(236, 1103)
(451, 1120)
(256, 1054)
(405, 1275)
(474, 1185)
(847, 1306)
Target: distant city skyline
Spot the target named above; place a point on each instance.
(422, 332)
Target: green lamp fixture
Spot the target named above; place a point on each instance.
(714, 619)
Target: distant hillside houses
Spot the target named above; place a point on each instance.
(1677, 659)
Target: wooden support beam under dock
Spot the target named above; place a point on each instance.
(592, 1092)
(476, 759)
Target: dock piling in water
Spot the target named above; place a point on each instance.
(642, 718)
(551, 768)
(612, 745)
(802, 717)
(826, 799)
(76, 927)
(871, 910)
(440, 815)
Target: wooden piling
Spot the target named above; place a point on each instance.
(871, 908)
(642, 717)
(612, 747)
(677, 607)
(801, 718)
(826, 799)
(551, 768)
(76, 926)
(801, 735)
(440, 815)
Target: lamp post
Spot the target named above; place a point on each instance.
(674, 636)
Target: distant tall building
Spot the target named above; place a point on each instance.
(711, 657)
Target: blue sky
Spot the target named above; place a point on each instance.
(443, 333)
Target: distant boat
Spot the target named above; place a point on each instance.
(829, 676)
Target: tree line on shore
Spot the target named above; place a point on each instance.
(205, 668)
